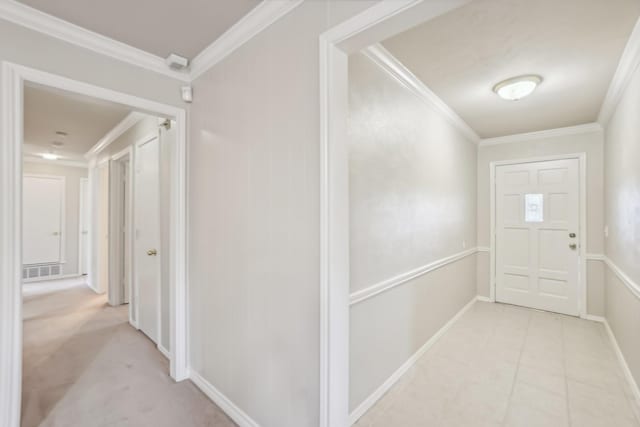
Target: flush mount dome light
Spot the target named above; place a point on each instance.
(50, 156)
(517, 87)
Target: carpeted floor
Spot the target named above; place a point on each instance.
(84, 365)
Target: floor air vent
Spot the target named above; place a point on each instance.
(32, 273)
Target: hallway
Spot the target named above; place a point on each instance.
(502, 365)
(84, 365)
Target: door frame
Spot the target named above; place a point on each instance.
(378, 22)
(83, 200)
(63, 206)
(14, 76)
(582, 220)
(116, 220)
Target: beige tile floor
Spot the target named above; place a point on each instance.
(502, 365)
(85, 366)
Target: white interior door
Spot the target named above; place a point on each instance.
(537, 235)
(43, 214)
(147, 237)
(84, 227)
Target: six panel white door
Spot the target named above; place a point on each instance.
(43, 204)
(537, 235)
(147, 237)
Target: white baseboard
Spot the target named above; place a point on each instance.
(380, 391)
(593, 318)
(484, 299)
(234, 412)
(623, 363)
(164, 351)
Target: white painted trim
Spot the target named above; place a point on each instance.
(82, 208)
(623, 364)
(582, 275)
(370, 401)
(13, 79)
(60, 162)
(627, 66)
(334, 200)
(231, 409)
(127, 123)
(164, 351)
(36, 20)
(543, 134)
(400, 279)
(596, 257)
(633, 287)
(482, 298)
(389, 63)
(483, 249)
(593, 318)
(259, 18)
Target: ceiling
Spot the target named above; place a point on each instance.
(575, 45)
(86, 120)
(183, 27)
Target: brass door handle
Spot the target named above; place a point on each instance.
(152, 252)
(573, 246)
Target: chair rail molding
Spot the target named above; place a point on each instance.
(633, 287)
(127, 123)
(400, 279)
(392, 65)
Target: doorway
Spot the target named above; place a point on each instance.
(15, 77)
(538, 235)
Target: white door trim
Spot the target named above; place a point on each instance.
(370, 26)
(83, 199)
(582, 276)
(13, 79)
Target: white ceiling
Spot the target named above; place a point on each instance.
(184, 27)
(575, 45)
(86, 120)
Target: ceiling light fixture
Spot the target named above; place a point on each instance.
(50, 156)
(517, 88)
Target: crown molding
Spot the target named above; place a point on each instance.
(128, 122)
(629, 62)
(543, 134)
(389, 63)
(259, 18)
(59, 162)
(21, 14)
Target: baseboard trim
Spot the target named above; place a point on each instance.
(484, 299)
(400, 279)
(623, 363)
(164, 351)
(386, 386)
(594, 318)
(229, 408)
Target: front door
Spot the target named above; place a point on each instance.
(538, 235)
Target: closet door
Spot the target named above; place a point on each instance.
(43, 213)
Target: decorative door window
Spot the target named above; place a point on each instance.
(533, 207)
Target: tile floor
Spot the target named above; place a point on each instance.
(502, 365)
(84, 365)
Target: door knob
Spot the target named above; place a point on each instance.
(572, 235)
(152, 252)
(573, 246)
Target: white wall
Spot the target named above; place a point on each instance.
(72, 208)
(254, 183)
(412, 202)
(590, 143)
(622, 216)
